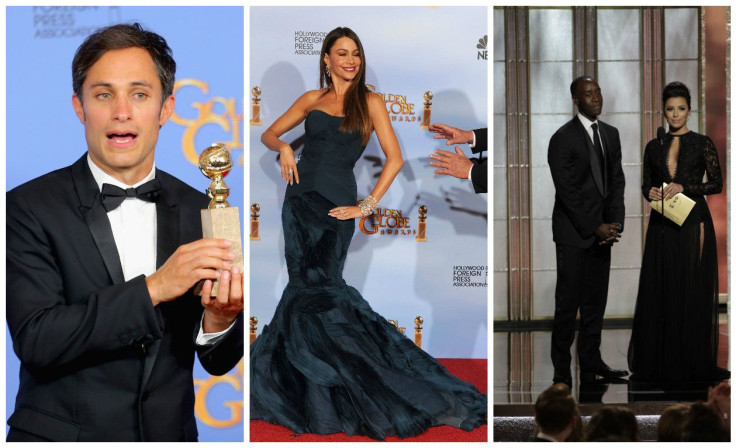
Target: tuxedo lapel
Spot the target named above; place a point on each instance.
(96, 218)
(595, 168)
(167, 223)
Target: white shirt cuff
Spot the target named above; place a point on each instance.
(210, 338)
(470, 171)
(472, 145)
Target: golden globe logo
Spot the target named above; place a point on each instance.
(203, 387)
(398, 107)
(386, 222)
(229, 120)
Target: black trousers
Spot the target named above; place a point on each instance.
(582, 284)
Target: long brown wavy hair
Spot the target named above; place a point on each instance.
(355, 106)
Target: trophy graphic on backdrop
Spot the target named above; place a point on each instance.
(254, 209)
(418, 321)
(422, 226)
(220, 220)
(427, 114)
(255, 107)
(253, 329)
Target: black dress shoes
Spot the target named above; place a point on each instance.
(604, 372)
(562, 376)
(722, 374)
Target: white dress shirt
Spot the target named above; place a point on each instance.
(472, 145)
(587, 124)
(134, 229)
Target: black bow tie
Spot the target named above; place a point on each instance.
(113, 196)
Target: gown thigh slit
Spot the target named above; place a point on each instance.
(674, 337)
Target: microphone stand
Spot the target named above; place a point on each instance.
(665, 171)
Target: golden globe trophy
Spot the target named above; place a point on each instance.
(220, 220)
(427, 115)
(254, 209)
(253, 329)
(255, 107)
(422, 226)
(418, 321)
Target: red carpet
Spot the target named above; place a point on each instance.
(474, 371)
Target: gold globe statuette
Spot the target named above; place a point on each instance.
(422, 225)
(418, 321)
(220, 220)
(427, 113)
(253, 328)
(254, 223)
(255, 106)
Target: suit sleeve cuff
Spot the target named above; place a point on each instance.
(210, 338)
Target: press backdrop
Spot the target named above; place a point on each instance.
(408, 50)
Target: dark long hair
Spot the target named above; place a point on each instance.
(355, 105)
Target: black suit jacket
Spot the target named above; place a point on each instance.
(583, 198)
(479, 172)
(98, 361)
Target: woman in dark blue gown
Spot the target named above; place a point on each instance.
(327, 362)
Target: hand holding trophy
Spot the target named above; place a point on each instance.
(220, 220)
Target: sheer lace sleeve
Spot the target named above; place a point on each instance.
(714, 184)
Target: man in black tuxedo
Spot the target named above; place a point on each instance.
(101, 259)
(457, 164)
(585, 160)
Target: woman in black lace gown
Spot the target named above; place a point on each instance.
(327, 362)
(675, 332)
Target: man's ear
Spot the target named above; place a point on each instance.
(167, 109)
(78, 108)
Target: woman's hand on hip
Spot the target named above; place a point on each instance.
(346, 212)
(288, 165)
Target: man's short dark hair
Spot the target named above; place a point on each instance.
(554, 409)
(574, 84)
(121, 36)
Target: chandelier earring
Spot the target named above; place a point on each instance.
(327, 70)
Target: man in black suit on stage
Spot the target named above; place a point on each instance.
(585, 160)
(457, 164)
(101, 259)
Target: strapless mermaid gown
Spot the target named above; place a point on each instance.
(327, 362)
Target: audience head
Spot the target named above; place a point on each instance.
(669, 427)
(703, 424)
(556, 412)
(612, 423)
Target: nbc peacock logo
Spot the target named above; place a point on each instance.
(482, 47)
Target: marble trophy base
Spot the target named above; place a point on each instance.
(222, 223)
